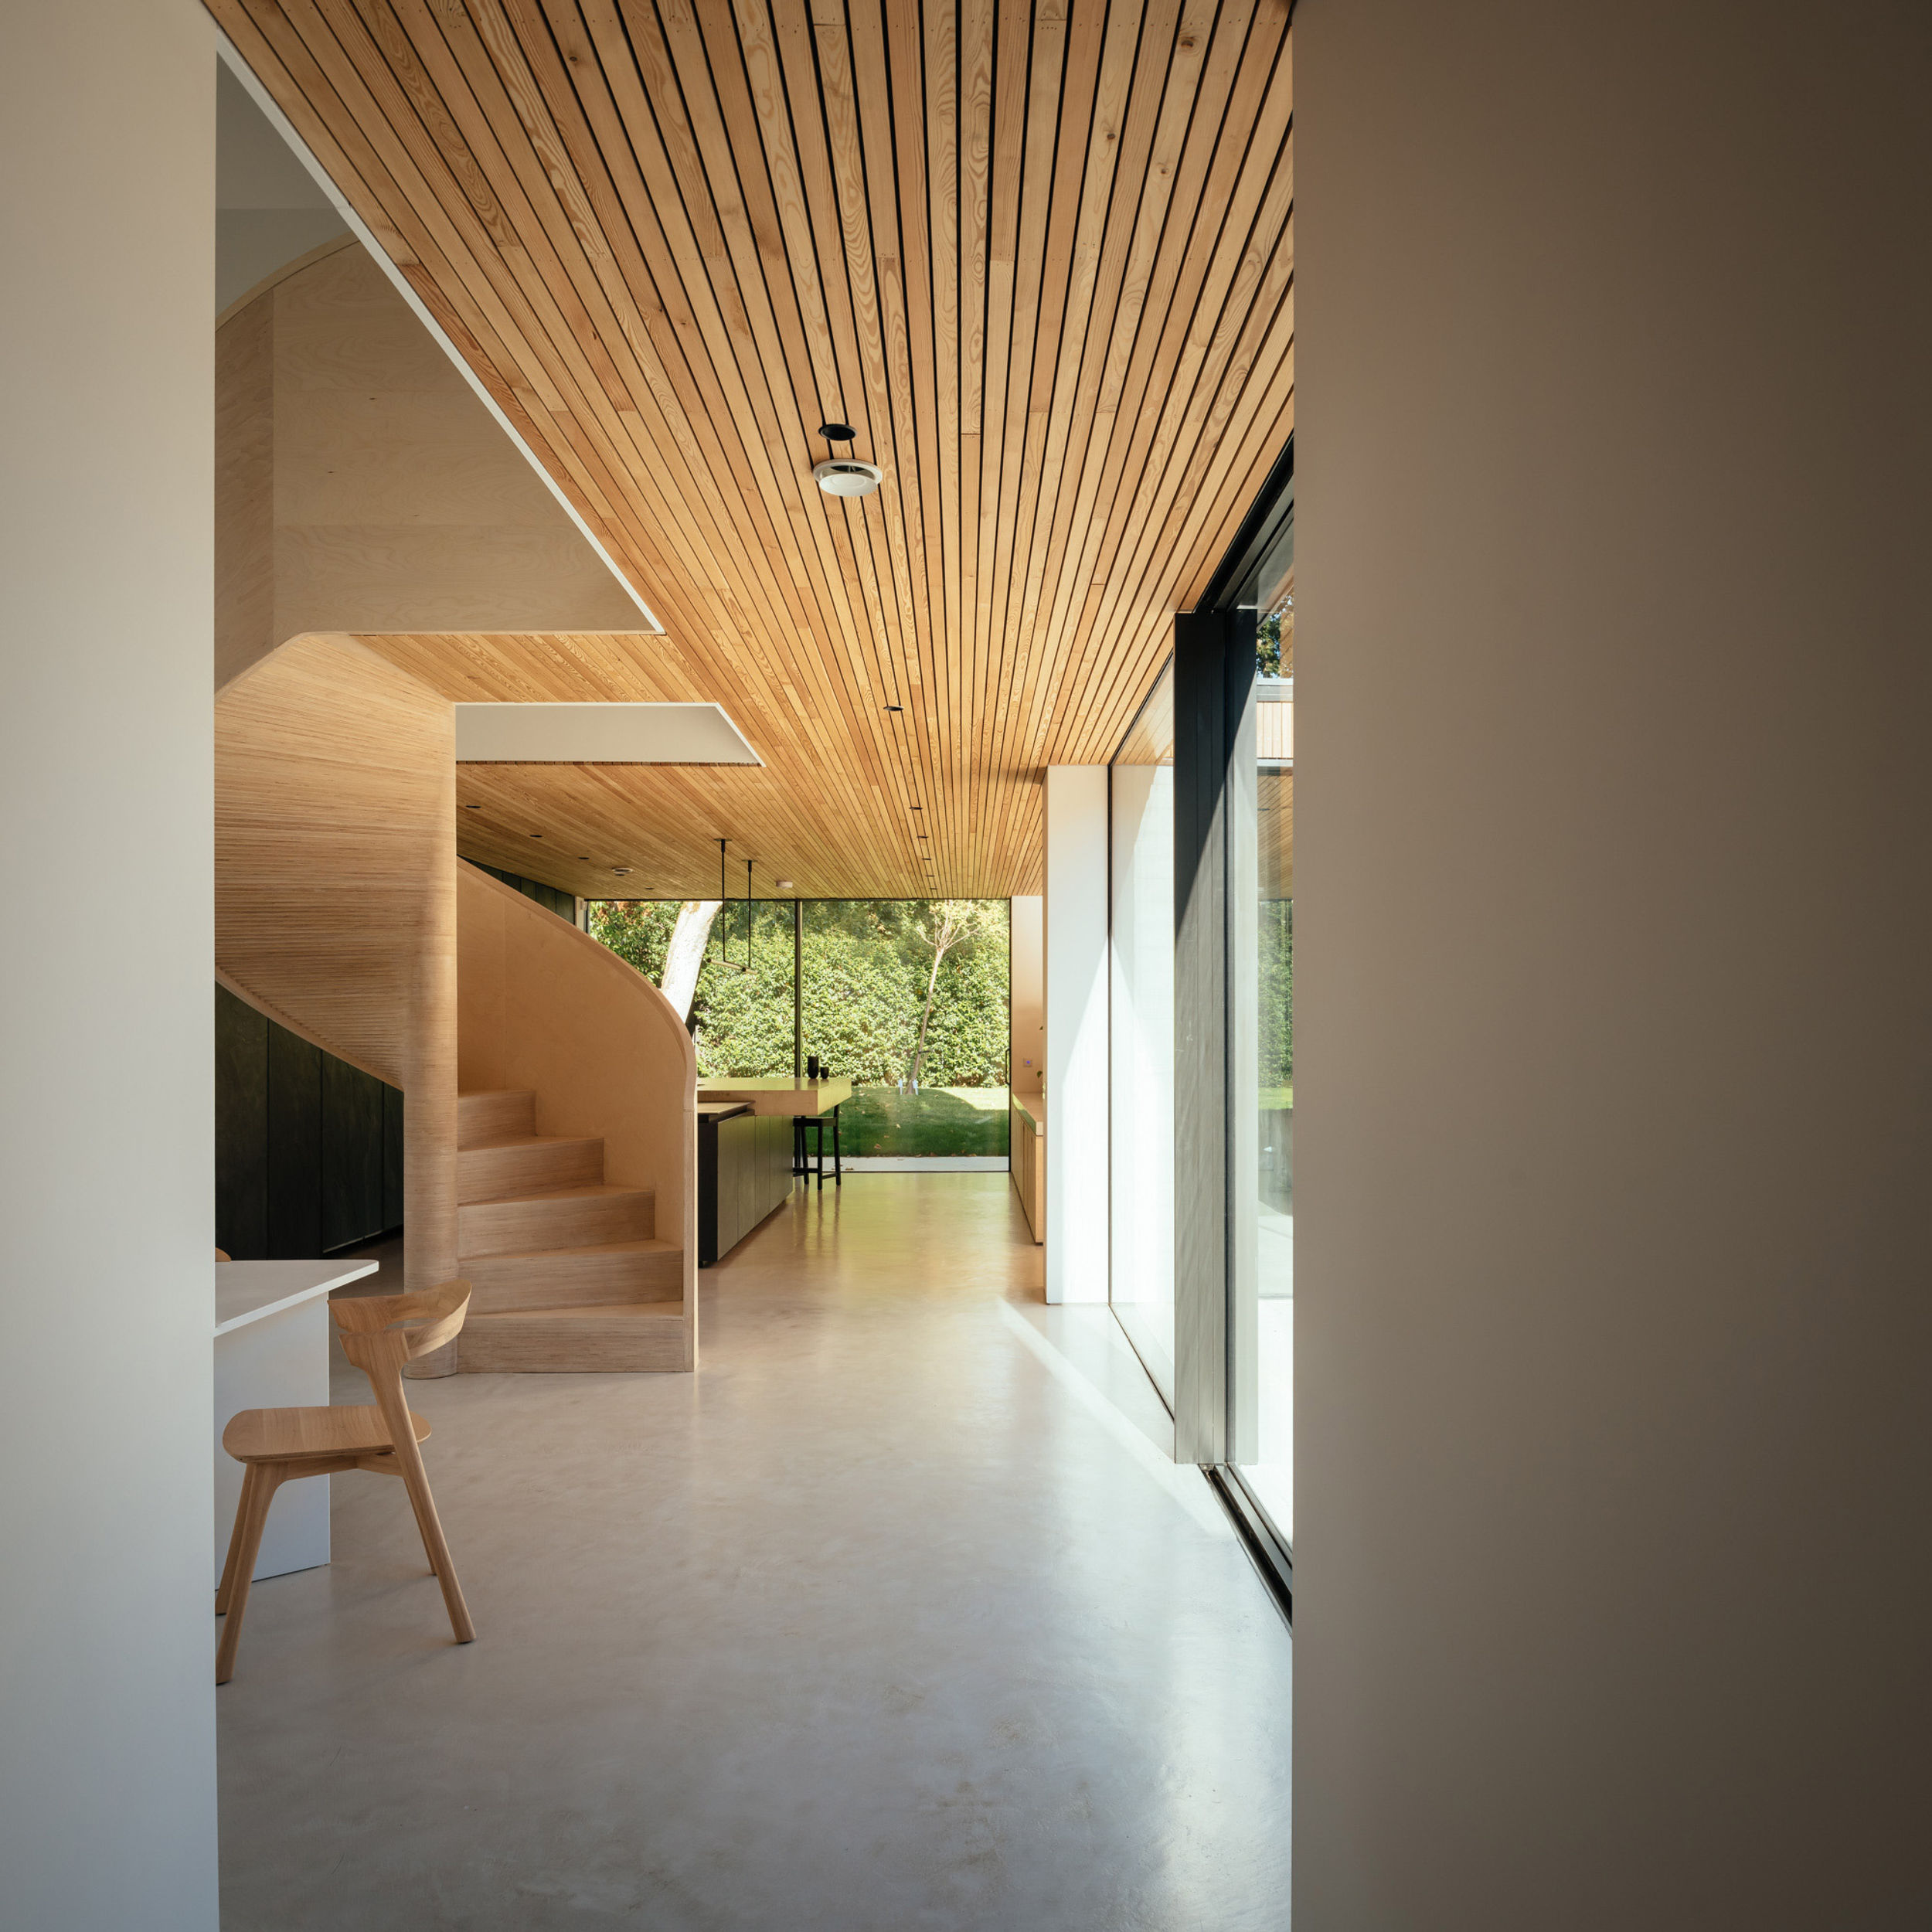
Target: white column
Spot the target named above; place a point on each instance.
(1076, 1087)
(106, 1108)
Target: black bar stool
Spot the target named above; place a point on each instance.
(810, 1160)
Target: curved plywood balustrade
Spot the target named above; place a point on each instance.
(335, 888)
(579, 1161)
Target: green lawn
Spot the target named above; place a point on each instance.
(940, 1120)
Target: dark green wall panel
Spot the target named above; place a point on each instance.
(392, 1157)
(295, 1146)
(241, 1127)
(351, 1160)
(308, 1150)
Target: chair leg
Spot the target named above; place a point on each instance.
(258, 1492)
(423, 1527)
(409, 1457)
(234, 1541)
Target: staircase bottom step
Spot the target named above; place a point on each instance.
(602, 1339)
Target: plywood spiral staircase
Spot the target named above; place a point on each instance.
(549, 1091)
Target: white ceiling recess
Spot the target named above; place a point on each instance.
(599, 734)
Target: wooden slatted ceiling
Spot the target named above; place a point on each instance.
(1041, 257)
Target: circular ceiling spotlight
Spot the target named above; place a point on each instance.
(846, 476)
(837, 432)
(784, 885)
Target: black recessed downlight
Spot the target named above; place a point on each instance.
(837, 432)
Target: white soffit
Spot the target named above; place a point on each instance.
(599, 734)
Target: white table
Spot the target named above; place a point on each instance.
(272, 1339)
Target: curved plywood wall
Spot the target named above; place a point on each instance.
(335, 888)
(547, 1008)
(361, 486)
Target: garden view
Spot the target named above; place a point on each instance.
(907, 999)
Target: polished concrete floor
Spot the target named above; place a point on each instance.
(896, 1615)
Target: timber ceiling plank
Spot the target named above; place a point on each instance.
(1039, 254)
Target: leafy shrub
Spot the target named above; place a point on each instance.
(866, 968)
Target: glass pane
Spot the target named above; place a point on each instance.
(908, 999)
(1263, 1379)
(1141, 1036)
(741, 1016)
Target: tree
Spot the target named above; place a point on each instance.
(1267, 646)
(942, 924)
(685, 953)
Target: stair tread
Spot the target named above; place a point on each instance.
(588, 1311)
(531, 1140)
(569, 1191)
(642, 1246)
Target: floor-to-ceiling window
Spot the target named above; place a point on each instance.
(742, 1016)
(1264, 1378)
(907, 999)
(1141, 1034)
(1260, 800)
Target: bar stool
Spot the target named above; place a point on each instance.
(379, 1334)
(804, 1158)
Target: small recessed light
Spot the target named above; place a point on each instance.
(895, 707)
(583, 858)
(536, 835)
(837, 432)
(784, 885)
(472, 807)
(621, 872)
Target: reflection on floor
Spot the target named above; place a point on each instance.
(896, 1614)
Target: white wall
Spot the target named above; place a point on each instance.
(106, 1132)
(1029, 992)
(1613, 964)
(1076, 1089)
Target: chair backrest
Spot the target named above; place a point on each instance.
(380, 1332)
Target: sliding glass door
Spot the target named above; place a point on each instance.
(1202, 1028)
(1263, 1375)
(1260, 804)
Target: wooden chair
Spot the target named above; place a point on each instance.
(379, 1333)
